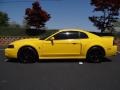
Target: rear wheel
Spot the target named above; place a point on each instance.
(27, 55)
(95, 55)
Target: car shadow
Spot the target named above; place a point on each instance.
(106, 60)
(12, 60)
(71, 60)
(58, 61)
(61, 60)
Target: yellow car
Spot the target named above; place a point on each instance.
(63, 44)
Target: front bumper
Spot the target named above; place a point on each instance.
(10, 53)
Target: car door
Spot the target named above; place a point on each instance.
(65, 44)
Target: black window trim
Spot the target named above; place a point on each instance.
(73, 38)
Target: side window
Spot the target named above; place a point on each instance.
(82, 35)
(74, 35)
(67, 35)
(60, 36)
(70, 35)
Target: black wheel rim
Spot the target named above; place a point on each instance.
(95, 56)
(27, 56)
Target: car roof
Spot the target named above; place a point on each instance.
(73, 30)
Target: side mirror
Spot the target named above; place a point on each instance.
(52, 39)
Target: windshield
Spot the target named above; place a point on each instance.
(47, 34)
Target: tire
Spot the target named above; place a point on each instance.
(95, 55)
(27, 55)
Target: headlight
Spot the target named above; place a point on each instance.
(10, 46)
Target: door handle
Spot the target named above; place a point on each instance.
(74, 43)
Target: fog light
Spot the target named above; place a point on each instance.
(10, 46)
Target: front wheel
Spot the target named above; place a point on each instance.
(27, 55)
(95, 55)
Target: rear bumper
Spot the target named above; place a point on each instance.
(112, 51)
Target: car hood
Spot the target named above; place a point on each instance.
(23, 41)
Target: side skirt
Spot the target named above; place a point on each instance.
(81, 57)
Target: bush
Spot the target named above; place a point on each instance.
(12, 31)
(18, 31)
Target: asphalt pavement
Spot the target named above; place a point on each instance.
(60, 75)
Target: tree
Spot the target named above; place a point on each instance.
(4, 19)
(36, 16)
(117, 24)
(110, 10)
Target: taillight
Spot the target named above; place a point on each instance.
(115, 41)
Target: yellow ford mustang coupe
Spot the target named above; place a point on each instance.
(63, 44)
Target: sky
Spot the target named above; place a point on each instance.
(64, 13)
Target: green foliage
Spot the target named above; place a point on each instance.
(4, 19)
(14, 25)
(117, 24)
(110, 10)
(15, 31)
(36, 16)
(12, 31)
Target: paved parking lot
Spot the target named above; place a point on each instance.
(59, 75)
